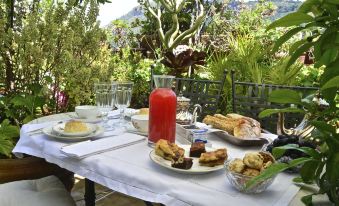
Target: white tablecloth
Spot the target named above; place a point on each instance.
(129, 170)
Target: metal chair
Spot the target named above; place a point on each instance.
(251, 98)
(206, 93)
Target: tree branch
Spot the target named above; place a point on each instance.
(173, 32)
(190, 32)
(166, 5)
(158, 18)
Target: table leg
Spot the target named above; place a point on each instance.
(148, 203)
(89, 193)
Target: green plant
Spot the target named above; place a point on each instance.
(131, 66)
(282, 75)
(321, 165)
(181, 58)
(57, 45)
(23, 107)
(310, 76)
(172, 37)
(8, 137)
(120, 34)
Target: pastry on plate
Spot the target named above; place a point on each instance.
(167, 150)
(213, 158)
(75, 126)
(197, 148)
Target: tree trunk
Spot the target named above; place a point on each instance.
(7, 56)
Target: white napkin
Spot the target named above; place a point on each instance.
(87, 148)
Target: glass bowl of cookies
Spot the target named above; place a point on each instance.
(240, 171)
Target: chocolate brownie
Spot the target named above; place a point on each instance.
(197, 148)
(182, 163)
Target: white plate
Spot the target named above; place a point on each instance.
(49, 132)
(195, 169)
(59, 129)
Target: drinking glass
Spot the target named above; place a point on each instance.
(105, 100)
(123, 98)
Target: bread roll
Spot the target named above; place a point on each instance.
(219, 124)
(244, 129)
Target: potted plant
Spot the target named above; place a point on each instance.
(320, 165)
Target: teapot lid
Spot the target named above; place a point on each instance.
(181, 98)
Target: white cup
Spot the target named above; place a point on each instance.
(87, 111)
(140, 122)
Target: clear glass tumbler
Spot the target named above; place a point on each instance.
(123, 98)
(105, 99)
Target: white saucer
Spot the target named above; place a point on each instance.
(49, 132)
(59, 130)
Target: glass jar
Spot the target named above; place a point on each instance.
(183, 115)
(162, 110)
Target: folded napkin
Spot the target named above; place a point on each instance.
(87, 148)
(35, 128)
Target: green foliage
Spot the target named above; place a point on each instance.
(322, 18)
(309, 76)
(121, 35)
(131, 66)
(57, 45)
(274, 169)
(172, 36)
(23, 107)
(282, 75)
(8, 137)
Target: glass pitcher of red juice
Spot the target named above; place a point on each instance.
(162, 110)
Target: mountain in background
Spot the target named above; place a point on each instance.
(284, 7)
(135, 13)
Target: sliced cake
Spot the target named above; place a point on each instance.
(214, 158)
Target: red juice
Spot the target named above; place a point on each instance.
(162, 115)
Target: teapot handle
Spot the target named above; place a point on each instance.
(195, 113)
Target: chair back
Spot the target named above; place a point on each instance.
(206, 93)
(250, 99)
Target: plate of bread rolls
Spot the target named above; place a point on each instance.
(237, 129)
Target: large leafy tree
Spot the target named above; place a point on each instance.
(55, 44)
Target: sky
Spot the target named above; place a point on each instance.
(117, 8)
